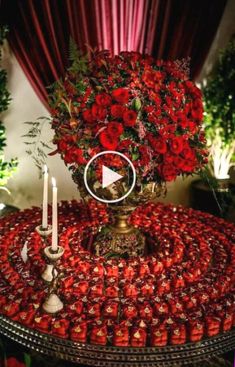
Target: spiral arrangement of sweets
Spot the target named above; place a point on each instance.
(182, 291)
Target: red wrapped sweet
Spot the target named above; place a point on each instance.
(128, 272)
(97, 290)
(178, 282)
(129, 311)
(195, 330)
(175, 305)
(26, 317)
(161, 308)
(84, 267)
(144, 269)
(67, 282)
(112, 271)
(190, 301)
(121, 336)
(98, 335)
(110, 310)
(130, 290)
(138, 337)
(3, 301)
(145, 311)
(78, 332)
(157, 267)
(158, 336)
(10, 309)
(163, 286)
(93, 310)
(147, 289)
(60, 328)
(81, 288)
(98, 270)
(112, 291)
(43, 322)
(227, 321)
(178, 334)
(212, 325)
(76, 307)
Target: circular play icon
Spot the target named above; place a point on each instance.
(109, 176)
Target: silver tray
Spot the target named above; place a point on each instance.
(107, 356)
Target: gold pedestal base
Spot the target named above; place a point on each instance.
(121, 238)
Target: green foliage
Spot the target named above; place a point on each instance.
(219, 95)
(6, 168)
(79, 61)
(35, 145)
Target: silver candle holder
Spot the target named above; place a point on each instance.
(52, 303)
(44, 232)
(47, 275)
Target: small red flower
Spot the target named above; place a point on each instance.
(121, 95)
(108, 141)
(87, 115)
(129, 118)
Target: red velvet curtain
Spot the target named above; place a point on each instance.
(168, 29)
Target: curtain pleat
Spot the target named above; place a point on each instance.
(169, 29)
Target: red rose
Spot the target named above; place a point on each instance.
(129, 118)
(168, 172)
(121, 95)
(87, 115)
(158, 144)
(117, 110)
(103, 99)
(108, 141)
(188, 153)
(177, 144)
(115, 128)
(189, 166)
(98, 112)
(74, 155)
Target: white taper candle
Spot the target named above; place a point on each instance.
(45, 199)
(54, 216)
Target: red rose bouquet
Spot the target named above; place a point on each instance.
(147, 109)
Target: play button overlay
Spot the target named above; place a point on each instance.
(109, 176)
(105, 189)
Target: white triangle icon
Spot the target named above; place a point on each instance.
(109, 176)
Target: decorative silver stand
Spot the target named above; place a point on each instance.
(52, 303)
(44, 232)
(47, 275)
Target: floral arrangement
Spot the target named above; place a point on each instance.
(182, 291)
(147, 109)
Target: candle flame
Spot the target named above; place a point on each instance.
(45, 169)
(53, 181)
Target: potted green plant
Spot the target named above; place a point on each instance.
(7, 168)
(219, 120)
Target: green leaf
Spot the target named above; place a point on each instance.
(27, 359)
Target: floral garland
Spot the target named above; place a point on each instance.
(147, 109)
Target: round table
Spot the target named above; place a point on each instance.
(179, 238)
